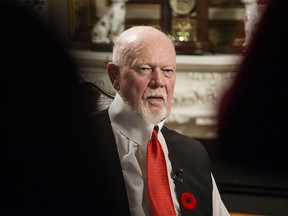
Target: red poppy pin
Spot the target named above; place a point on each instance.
(188, 201)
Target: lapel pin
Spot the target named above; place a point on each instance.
(188, 201)
(178, 175)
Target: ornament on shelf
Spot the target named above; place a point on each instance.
(110, 25)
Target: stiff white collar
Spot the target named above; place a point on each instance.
(129, 123)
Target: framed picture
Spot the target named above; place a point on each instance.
(225, 3)
(226, 26)
(82, 16)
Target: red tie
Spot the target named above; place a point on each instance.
(157, 179)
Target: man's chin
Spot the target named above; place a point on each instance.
(156, 110)
(153, 115)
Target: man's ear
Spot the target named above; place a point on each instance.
(114, 75)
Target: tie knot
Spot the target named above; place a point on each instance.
(156, 129)
(155, 132)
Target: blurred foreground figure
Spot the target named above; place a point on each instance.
(47, 164)
(253, 113)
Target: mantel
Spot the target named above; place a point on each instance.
(200, 82)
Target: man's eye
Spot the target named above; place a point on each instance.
(145, 70)
(168, 72)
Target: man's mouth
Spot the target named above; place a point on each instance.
(155, 99)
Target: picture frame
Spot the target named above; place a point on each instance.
(82, 16)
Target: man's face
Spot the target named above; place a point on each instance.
(147, 85)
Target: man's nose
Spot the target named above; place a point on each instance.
(157, 77)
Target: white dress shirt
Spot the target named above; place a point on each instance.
(132, 135)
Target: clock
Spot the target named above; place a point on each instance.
(189, 26)
(182, 7)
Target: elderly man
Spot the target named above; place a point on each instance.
(143, 72)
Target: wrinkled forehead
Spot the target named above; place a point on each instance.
(155, 55)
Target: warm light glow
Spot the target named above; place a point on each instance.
(181, 38)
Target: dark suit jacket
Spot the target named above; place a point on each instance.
(185, 153)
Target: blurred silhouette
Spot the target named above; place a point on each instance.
(253, 114)
(48, 155)
(252, 129)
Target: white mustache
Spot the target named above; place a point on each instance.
(155, 94)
